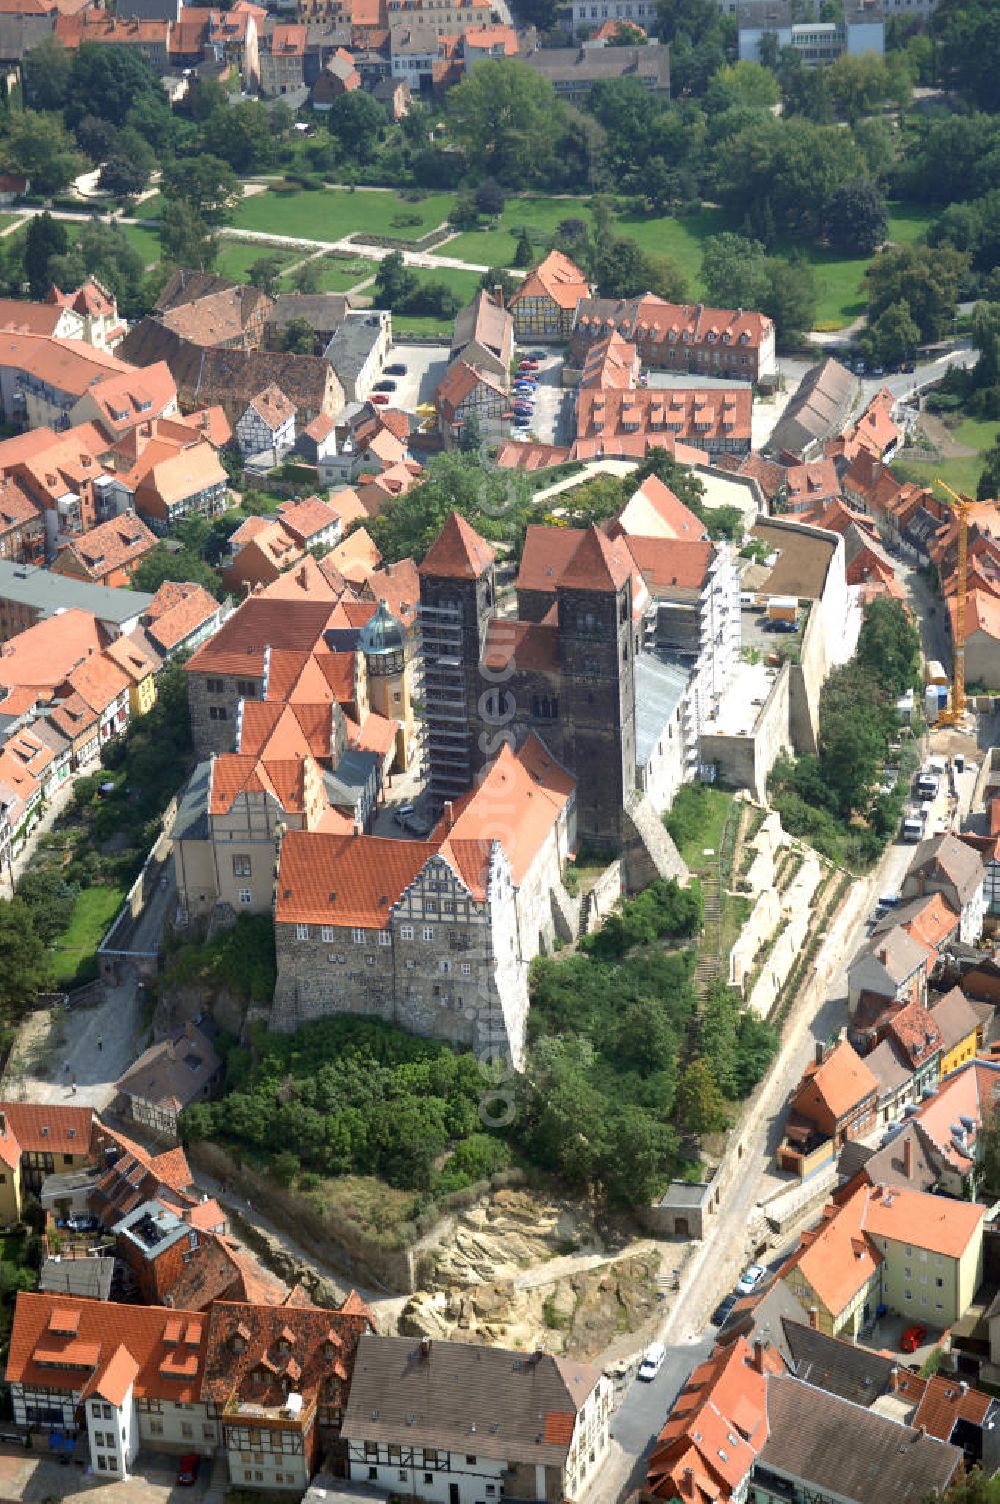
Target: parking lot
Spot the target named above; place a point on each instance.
(32, 1478)
(552, 404)
(425, 365)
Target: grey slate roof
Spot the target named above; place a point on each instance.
(191, 823)
(89, 1277)
(889, 1069)
(841, 1368)
(456, 1391)
(843, 1451)
(351, 346)
(30, 585)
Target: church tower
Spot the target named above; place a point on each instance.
(457, 601)
(597, 695)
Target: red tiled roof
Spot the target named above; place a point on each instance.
(598, 563)
(458, 552)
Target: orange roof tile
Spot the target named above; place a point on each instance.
(558, 278)
(344, 880)
(458, 552)
(597, 563)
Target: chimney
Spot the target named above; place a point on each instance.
(498, 294)
(908, 1156)
(425, 1347)
(820, 1051)
(963, 1387)
(3, 1125)
(357, 827)
(757, 1361)
(449, 813)
(813, 1319)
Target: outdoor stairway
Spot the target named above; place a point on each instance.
(709, 964)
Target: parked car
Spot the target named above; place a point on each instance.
(652, 1362)
(750, 1279)
(384, 386)
(524, 407)
(912, 1338)
(536, 355)
(379, 399)
(527, 365)
(396, 370)
(723, 1310)
(187, 1471)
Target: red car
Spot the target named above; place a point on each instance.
(912, 1338)
(527, 365)
(188, 1470)
(379, 399)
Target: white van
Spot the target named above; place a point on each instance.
(652, 1362)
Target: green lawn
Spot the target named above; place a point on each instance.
(332, 213)
(92, 914)
(839, 278)
(339, 274)
(236, 257)
(146, 242)
(464, 284)
(149, 208)
(704, 832)
(961, 474)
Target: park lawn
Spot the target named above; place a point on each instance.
(332, 213)
(93, 912)
(962, 473)
(236, 257)
(464, 285)
(146, 242)
(339, 275)
(708, 837)
(150, 208)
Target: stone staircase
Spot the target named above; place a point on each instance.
(709, 967)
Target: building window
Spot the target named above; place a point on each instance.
(218, 713)
(384, 938)
(470, 1461)
(406, 931)
(403, 1475)
(371, 1448)
(302, 932)
(466, 969)
(246, 896)
(186, 1428)
(444, 966)
(358, 936)
(369, 960)
(241, 866)
(214, 686)
(372, 1474)
(246, 687)
(428, 932)
(326, 932)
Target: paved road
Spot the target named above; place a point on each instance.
(645, 1407)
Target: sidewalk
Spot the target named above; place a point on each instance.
(60, 799)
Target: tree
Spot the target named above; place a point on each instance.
(889, 647)
(504, 115)
(498, 276)
(734, 271)
(524, 251)
(856, 219)
(299, 337)
(208, 184)
(699, 1107)
(622, 269)
(45, 72)
(264, 273)
(46, 239)
(471, 438)
(989, 481)
(241, 135)
(103, 251)
(969, 36)
(394, 282)
(108, 81)
(185, 238)
(97, 137)
(742, 85)
(122, 176)
(893, 338)
(39, 146)
(490, 198)
(307, 277)
(639, 1155)
(162, 564)
(24, 966)
(791, 166)
(791, 298)
(358, 122)
(925, 278)
(974, 1487)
